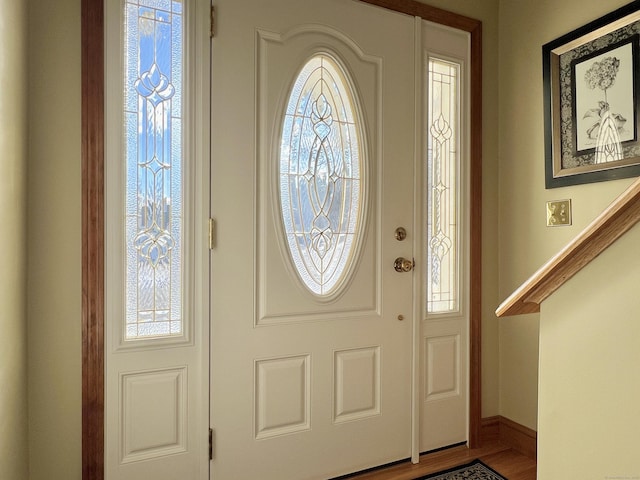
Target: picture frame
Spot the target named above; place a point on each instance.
(591, 89)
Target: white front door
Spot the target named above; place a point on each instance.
(312, 326)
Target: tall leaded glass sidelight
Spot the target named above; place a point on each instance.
(153, 58)
(443, 192)
(320, 174)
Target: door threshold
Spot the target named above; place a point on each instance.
(436, 450)
(370, 470)
(397, 462)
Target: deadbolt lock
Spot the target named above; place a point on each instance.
(400, 234)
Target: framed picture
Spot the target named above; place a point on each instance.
(591, 101)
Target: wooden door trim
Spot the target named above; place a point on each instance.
(474, 28)
(92, 239)
(92, 19)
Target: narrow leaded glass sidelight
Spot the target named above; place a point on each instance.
(153, 151)
(320, 174)
(443, 192)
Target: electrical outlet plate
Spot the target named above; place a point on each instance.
(558, 213)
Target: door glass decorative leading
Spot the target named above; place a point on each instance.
(153, 151)
(320, 174)
(443, 189)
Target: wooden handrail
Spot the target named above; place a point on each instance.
(619, 217)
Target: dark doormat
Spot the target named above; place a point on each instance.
(475, 470)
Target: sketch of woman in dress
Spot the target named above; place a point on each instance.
(604, 103)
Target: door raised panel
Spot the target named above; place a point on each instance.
(153, 413)
(442, 367)
(282, 296)
(357, 383)
(282, 396)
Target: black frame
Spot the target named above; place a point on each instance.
(564, 164)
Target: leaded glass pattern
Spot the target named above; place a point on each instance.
(153, 55)
(320, 174)
(443, 192)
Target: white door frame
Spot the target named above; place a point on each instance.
(92, 83)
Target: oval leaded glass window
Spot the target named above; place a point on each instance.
(320, 174)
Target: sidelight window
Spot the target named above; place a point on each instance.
(153, 58)
(443, 186)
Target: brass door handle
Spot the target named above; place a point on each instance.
(404, 264)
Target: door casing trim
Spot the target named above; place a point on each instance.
(92, 148)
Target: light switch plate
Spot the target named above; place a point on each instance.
(558, 213)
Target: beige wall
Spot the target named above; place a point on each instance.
(13, 159)
(589, 364)
(54, 248)
(525, 243)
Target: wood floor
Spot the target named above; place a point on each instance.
(502, 459)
